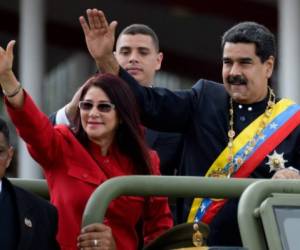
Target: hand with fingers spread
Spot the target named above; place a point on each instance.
(100, 38)
(10, 86)
(96, 236)
(6, 59)
(72, 106)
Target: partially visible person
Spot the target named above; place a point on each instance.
(107, 142)
(137, 51)
(26, 221)
(238, 129)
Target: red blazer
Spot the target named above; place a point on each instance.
(73, 173)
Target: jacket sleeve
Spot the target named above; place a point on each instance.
(42, 139)
(157, 214)
(162, 109)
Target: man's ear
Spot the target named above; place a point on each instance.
(10, 152)
(269, 64)
(160, 57)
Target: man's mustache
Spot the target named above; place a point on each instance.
(237, 80)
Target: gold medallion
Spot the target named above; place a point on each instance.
(197, 236)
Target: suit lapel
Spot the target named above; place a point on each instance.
(151, 136)
(26, 220)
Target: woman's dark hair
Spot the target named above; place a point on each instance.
(251, 32)
(141, 29)
(130, 134)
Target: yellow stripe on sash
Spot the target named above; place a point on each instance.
(239, 142)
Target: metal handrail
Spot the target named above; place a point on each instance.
(37, 186)
(178, 186)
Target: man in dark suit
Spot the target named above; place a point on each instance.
(137, 51)
(238, 129)
(27, 222)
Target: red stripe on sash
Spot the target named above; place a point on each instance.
(272, 142)
(212, 210)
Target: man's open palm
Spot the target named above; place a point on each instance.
(99, 36)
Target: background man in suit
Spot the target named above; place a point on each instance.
(137, 51)
(27, 221)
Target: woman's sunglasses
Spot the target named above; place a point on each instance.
(103, 107)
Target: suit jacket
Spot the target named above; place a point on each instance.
(37, 219)
(201, 115)
(52, 118)
(168, 146)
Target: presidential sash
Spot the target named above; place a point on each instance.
(284, 119)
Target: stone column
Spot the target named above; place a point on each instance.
(289, 49)
(32, 43)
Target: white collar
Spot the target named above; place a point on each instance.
(0, 185)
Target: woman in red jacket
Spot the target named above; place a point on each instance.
(107, 142)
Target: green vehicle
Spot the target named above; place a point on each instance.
(268, 212)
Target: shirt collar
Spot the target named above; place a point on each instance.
(253, 107)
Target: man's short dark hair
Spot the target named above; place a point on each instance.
(4, 130)
(135, 29)
(251, 32)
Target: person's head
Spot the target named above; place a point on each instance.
(6, 150)
(137, 51)
(249, 53)
(108, 112)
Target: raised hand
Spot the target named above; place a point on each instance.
(99, 35)
(72, 106)
(10, 86)
(6, 58)
(287, 173)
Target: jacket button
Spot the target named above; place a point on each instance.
(85, 175)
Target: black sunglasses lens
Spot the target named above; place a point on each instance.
(86, 105)
(104, 107)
